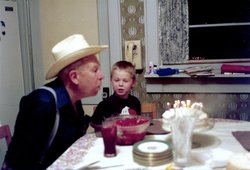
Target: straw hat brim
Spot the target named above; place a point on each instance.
(71, 58)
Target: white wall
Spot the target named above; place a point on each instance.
(61, 18)
(11, 72)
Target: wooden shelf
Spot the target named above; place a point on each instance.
(183, 83)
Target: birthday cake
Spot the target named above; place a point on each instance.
(201, 121)
(182, 109)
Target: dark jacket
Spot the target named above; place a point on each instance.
(34, 124)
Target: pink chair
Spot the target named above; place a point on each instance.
(5, 133)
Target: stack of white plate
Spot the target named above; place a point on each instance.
(152, 152)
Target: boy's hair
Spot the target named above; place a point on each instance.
(124, 65)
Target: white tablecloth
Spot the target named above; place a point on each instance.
(89, 149)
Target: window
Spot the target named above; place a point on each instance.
(219, 29)
(182, 83)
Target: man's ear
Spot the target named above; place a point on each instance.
(73, 76)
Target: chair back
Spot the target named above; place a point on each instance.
(5, 133)
(149, 108)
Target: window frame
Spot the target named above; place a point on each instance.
(152, 41)
(156, 84)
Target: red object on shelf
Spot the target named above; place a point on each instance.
(230, 68)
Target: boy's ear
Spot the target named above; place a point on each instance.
(134, 83)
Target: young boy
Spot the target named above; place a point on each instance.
(123, 79)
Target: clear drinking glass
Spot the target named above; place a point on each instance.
(109, 133)
(182, 130)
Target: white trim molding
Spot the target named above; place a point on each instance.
(151, 32)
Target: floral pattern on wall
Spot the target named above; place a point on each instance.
(231, 106)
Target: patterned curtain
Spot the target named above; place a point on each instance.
(173, 31)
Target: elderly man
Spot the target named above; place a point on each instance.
(51, 118)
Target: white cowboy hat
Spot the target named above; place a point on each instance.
(70, 50)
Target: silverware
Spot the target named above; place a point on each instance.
(85, 166)
(102, 167)
(91, 167)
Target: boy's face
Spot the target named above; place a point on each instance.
(122, 83)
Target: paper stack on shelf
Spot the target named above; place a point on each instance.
(199, 71)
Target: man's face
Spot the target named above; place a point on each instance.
(89, 76)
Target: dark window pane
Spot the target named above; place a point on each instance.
(218, 11)
(220, 42)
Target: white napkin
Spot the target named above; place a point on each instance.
(125, 111)
(204, 167)
(214, 158)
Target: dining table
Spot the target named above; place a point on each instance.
(216, 144)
